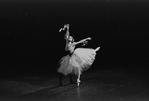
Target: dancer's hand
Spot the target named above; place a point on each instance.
(60, 30)
(89, 38)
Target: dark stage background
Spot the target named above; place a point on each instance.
(30, 43)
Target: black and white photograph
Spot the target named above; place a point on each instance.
(74, 50)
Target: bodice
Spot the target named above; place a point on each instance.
(71, 47)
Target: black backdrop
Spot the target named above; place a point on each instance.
(30, 42)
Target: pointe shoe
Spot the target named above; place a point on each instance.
(97, 48)
(78, 82)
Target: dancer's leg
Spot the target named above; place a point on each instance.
(78, 80)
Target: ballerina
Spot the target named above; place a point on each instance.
(79, 59)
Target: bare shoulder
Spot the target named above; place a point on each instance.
(73, 44)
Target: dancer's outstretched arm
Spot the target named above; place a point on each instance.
(81, 41)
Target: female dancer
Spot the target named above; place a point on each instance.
(79, 59)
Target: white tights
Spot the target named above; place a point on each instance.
(78, 79)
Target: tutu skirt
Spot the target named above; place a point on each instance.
(81, 60)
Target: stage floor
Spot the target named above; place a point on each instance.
(96, 85)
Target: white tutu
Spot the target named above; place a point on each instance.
(81, 60)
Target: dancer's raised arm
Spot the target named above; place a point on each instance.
(66, 47)
(65, 26)
(81, 41)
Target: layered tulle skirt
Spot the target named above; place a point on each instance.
(81, 60)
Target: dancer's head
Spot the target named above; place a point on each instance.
(71, 39)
